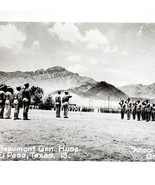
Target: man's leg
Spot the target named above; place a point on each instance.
(59, 110)
(1, 110)
(25, 110)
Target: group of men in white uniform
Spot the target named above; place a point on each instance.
(22, 98)
(62, 102)
(143, 110)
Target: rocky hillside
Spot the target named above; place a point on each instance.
(58, 78)
(139, 90)
(50, 80)
(99, 90)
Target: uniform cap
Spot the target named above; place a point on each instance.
(18, 88)
(26, 84)
(8, 87)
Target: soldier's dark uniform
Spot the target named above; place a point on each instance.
(123, 107)
(138, 110)
(134, 106)
(2, 100)
(148, 111)
(143, 110)
(153, 112)
(17, 102)
(26, 98)
(58, 104)
(65, 101)
(128, 105)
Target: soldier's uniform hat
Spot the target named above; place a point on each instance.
(8, 87)
(26, 84)
(2, 86)
(18, 88)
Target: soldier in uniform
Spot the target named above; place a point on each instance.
(128, 105)
(2, 99)
(134, 106)
(122, 105)
(8, 102)
(26, 98)
(153, 112)
(148, 110)
(138, 110)
(65, 101)
(143, 105)
(58, 104)
(17, 102)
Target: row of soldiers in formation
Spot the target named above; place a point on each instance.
(143, 110)
(22, 98)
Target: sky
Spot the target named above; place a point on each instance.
(118, 53)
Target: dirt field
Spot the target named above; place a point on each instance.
(84, 136)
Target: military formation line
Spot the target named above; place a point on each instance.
(142, 110)
(22, 98)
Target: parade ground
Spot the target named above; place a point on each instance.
(82, 137)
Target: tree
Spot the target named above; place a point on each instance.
(36, 96)
(48, 103)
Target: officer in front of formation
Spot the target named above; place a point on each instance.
(58, 104)
(65, 101)
(26, 97)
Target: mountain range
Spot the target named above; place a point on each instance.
(58, 78)
(139, 90)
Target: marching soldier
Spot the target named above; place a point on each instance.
(148, 110)
(8, 102)
(58, 104)
(17, 102)
(2, 99)
(26, 98)
(122, 105)
(153, 112)
(134, 106)
(65, 101)
(138, 104)
(128, 105)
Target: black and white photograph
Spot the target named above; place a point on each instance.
(72, 91)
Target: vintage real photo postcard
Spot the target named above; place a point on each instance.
(77, 91)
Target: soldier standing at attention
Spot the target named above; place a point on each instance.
(65, 101)
(17, 102)
(26, 98)
(58, 104)
(122, 104)
(143, 110)
(153, 112)
(134, 106)
(138, 110)
(2, 100)
(148, 110)
(128, 104)
(8, 102)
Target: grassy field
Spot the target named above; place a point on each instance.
(84, 136)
